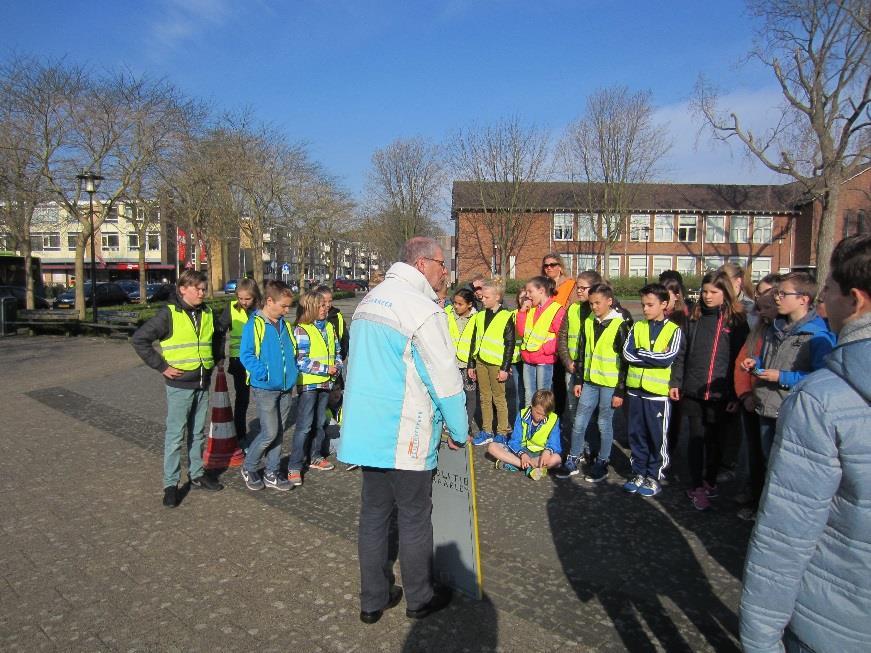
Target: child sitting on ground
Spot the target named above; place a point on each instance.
(535, 442)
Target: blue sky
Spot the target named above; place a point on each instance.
(348, 77)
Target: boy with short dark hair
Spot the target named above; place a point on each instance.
(268, 352)
(651, 348)
(190, 349)
(535, 441)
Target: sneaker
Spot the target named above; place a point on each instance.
(482, 438)
(747, 514)
(322, 464)
(294, 477)
(500, 439)
(699, 498)
(170, 496)
(206, 482)
(725, 475)
(650, 488)
(536, 473)
(631, 486)
(253, 480)
(276, 482)
(711, 491)
(569, 468)
(507, 467)
(598, 473)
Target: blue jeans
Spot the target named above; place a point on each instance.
(273, 408)
(186, 411)
(536, 377)
(311, 409)
(514, 391)
(767, 427)
(594, 396)
(792, 644)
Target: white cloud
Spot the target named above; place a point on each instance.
(183, 20)
(697, 157)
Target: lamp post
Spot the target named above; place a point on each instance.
(646, 230)
(90, 181)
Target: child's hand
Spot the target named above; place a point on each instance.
(172, 373)
(503, 376)
(332, 370)
(524, 461)
(748, 364)
(674, 394)
(616, 402)
(578, 389)
(472, 374)
(770, 375)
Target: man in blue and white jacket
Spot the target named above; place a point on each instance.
(402, 388)
(807, 580)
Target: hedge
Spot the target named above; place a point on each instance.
(623, 286)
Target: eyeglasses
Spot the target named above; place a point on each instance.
(780, 294)
(434, 260)
(476, 288)
(551, 265)
(583, 287)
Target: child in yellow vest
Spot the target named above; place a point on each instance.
(534, 445)
(461, 312)
(490, 364)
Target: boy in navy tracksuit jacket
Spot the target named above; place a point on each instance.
(268, 352)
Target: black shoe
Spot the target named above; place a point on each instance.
(375, 615)
(170, 496)
(206, 482)
(441, 598)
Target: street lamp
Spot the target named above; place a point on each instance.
(89, 181)
(646, 230)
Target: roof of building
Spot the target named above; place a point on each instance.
(677, 198)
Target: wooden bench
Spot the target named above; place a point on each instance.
(116, 323)
(40, 319)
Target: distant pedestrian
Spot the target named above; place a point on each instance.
(807, 578)
(190, 349)
(403, 388)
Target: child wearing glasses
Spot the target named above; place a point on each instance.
(793, 346)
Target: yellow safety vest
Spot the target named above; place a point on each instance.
(320, 351)
(260, 331)
(341, 321)
(601, 362)
(186, 349)
(490, 342)
(462, 340)
(573, 332)
(653, 379)
(537, 332)
(238, 320)
(538, 440)
(515, 357)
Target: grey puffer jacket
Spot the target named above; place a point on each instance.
(809, 561)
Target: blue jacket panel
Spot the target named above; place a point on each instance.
(275, 368)
(515, 443)
(809, 560)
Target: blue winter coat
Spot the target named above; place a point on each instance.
(809, 560)
(275, 367)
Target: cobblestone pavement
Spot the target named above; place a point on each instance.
(91, 561)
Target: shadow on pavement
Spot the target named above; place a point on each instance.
(463, 625)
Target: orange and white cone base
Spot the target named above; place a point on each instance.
(222, 450)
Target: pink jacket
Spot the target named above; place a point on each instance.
(547, 354)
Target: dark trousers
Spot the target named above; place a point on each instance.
(755, 456)
(243, 398)
(707, 422)
(648, 435)
(410, 492)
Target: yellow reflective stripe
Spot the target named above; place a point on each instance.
(573, 332)
(491, 344)
(540, 437)
(653, 379)
(320, 352)
(537, 332)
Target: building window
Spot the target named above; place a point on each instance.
(153, 241)
(637, 266)
(132, 242)
(715, 229)
(661, 264)
(686, 264)
(686, 228)
(110, 242)
(854, 223)
(5, 241)
(713, 262)
(72, 239)
(586, 262)
(613, 266)
(563, 226)
(639, 227)
(739, 229)
(663, 228)
(762, 227)
(587, 228)
(48, 242)
(112, 215)
(761, 267)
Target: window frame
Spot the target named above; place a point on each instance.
(756, 238)
(611, 261)
(694, 227)
(658, 224)
(104, 246)
(635, 230)
(655, 271)
(734, 235)
(148, 236)
(588, 225)
(685, 271)
(633, 258)
(570, 227)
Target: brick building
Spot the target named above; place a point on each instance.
(686, 227)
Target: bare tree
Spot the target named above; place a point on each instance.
(501, 162)
(612, 148)
(820, 54)
(406, 183)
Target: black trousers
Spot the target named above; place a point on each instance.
(707, 423)
(243, 398)
(410, 493)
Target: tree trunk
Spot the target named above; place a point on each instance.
(607, 248)
(79, 271)
(29, 301)
(143, 243)
(826, 233)
(257, 256)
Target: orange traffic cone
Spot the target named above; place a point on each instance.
(222, 450)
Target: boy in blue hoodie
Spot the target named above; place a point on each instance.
(534, 446)
(795, 344)
(268, 352)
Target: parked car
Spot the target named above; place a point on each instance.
(128, 286)
(154, 292)
(230, 286)
(362, 283)
(108, 293)
(345, 284)
(20, 295)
